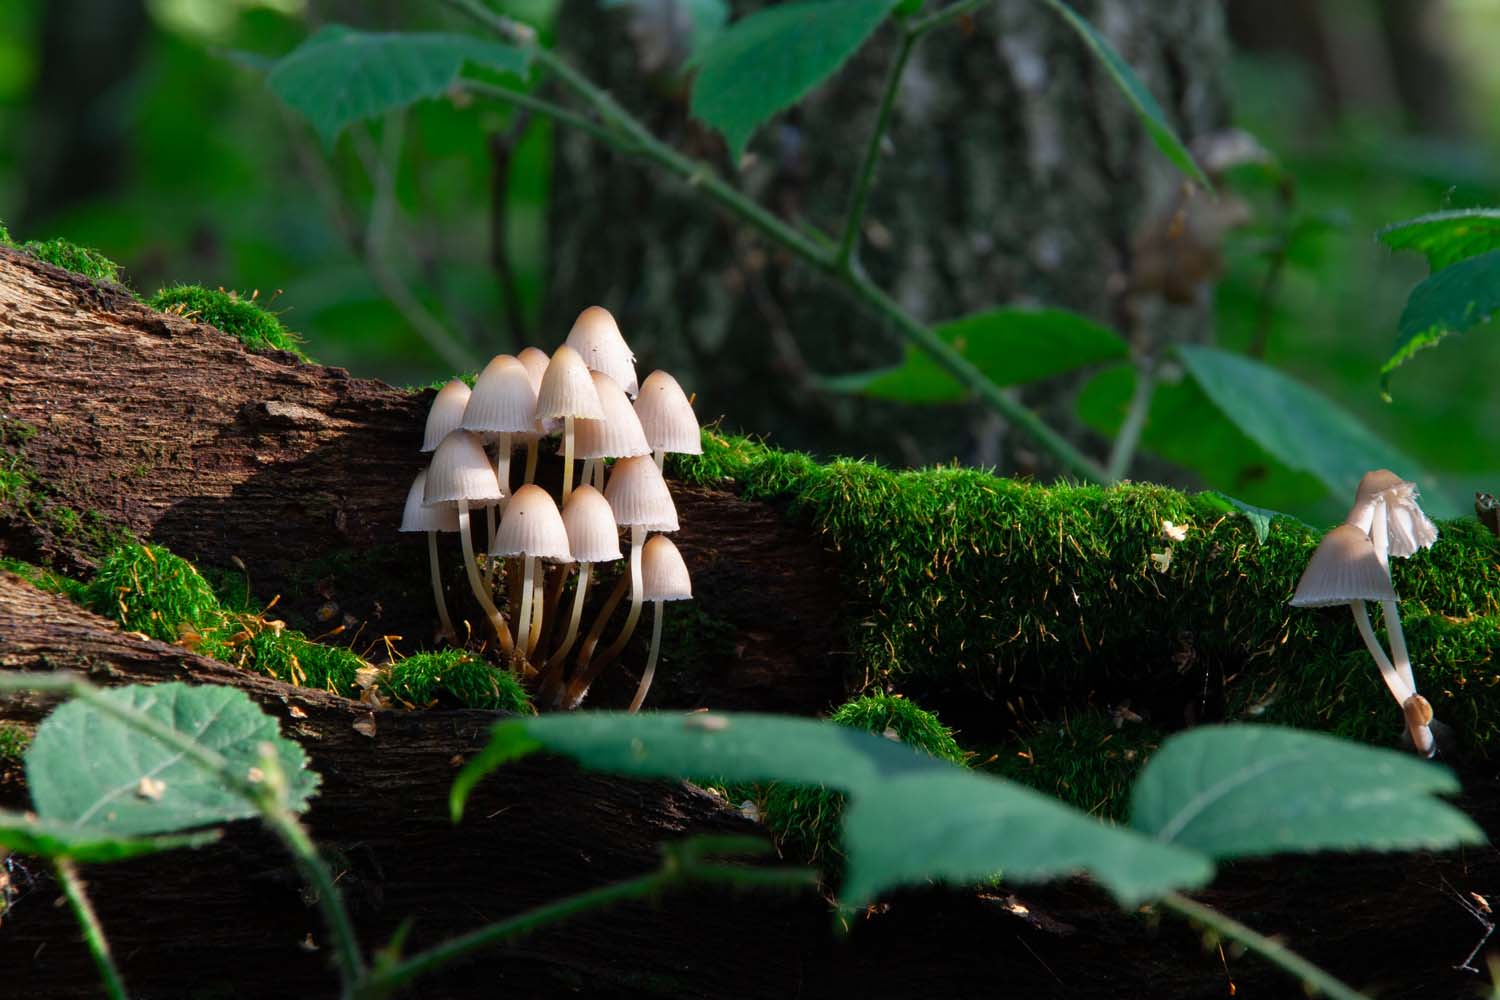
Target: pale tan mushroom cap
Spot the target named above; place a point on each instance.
(419, 517)
(597, 339)
(667, 417)
(461, 470)
(619, 434)
(1344, 568)
(567, 388)
(639, 496)
(446, 415)
(664, 576)
(533, 527)
(503, 401)
(1408, 529)
(535, 360)
(593, 535)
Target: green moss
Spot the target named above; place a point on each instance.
(453, 677)
(44, 579)
(13, 743)
(438, 383)
(256, 328)
(291, 657)
(805, 819)
(1086, 759)
(148, 589)
(26, 498)
(71, 257)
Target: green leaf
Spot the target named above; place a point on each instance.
(1238, 791)
(1010, 345)
(964, 827)
(770, 60)
(1136, 93)
(340, 75)
(89, 771)
(1446, 238)
(1297, 426)
(1452, 300)
(1260, 518)
(35, 837)
(706, 17)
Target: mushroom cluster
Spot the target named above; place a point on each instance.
(1352, 566)
(533, 541)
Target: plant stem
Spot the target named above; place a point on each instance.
(849, 244)
(937, 19)
(1129, 437)
(315, 872)
(93, 934)
(558, 113)
(1273, 951)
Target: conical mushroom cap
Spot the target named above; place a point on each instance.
(419, 517)
(667, 417)
(535, 360)
(619, 434)
(664, 576)
(532, 527)
(638, 495)
(567, 389)
(1344, 568)
(593, 535)
(503, 401)
(446, 415)
(596, 337)
(1407, 527)
(461, 470)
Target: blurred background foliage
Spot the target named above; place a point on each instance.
(144, 128)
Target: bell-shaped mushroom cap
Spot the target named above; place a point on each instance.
(667, 417)
(535, 361)
(593, 535)
(503, 401)
(1344, 568)
(596, 337)
(567, 389)
(460, 470)
(619, 434)
(1407, 527)
(419, 517)
(638, 495)
(664, 576)
(446, 415)
(532, 527)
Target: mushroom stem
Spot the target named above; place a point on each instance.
(502, 467)
(531, 451)
(523, 625)
(481, 592)
(567, 458)
(1398, 687)
(587, 671)
(538, 610)
(437, 588)
(489, 540)
(580, 589)
(1380, 538)
(599, 475)
(640, 692)
(660, 454)
(556, 579)
(637, 541)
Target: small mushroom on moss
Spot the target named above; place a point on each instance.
(618, 435)
(446, 415)
(664, 577)
(535, 360)
(568, 393)
(667, 417)
(502, 405)
(597, 339)
(593, 537)
(533, 529)
(461, 475)
(439, 517)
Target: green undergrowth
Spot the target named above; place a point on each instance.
(437, 383)
(452, 678)
(27, 499)
(13, 743)
(1088, 759)
(805, 819)
(45, 579)
(68, 256)
(257, 328)
(963, 583)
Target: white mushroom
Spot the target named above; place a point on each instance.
(667, 417)
(439, 517)
(533, 529)
(461, 475)
(664, 577)
(568, 393)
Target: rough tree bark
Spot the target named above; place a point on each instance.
(1015, 174)
(175, 432)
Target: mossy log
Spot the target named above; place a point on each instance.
(118, 419)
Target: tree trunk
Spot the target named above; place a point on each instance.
(1015, 174)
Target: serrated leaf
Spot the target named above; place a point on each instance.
(91, 771)
(1453, 300)
(963, 827)
(769, 60)
(1294, 424)
(340, 75)
(1146, 108)
(1445, 238)
(1011, 346)
(1240, 791)
(27, 834)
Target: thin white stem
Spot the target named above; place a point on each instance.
(640, 692)
(567, 458)
(1380, 538)
(502, 467)
(489, 543)
(586, 475)
(599, 475)
(481, 592)
(437, 588)
(523, 622)
(531, 451)
(580, 589)
(1398, 687)
(637, 542)
(660, 455)
(538, 609)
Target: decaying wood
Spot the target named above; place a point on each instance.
(176, 433)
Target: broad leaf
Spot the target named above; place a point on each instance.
(964, 827)
(1295, 425)
(30, 835)
(1011, 346)
(1452, 300)
(90, 771)
(1135, 92)
(1445, 238)
(340, 76)
(1237, 791)
(703, 19)
(769, 60)
(734, 747)
(1260, 518)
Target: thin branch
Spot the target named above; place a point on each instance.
(922, 26)
(541, 106)
(854, 218)
(93, 934)
(1129, 437)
